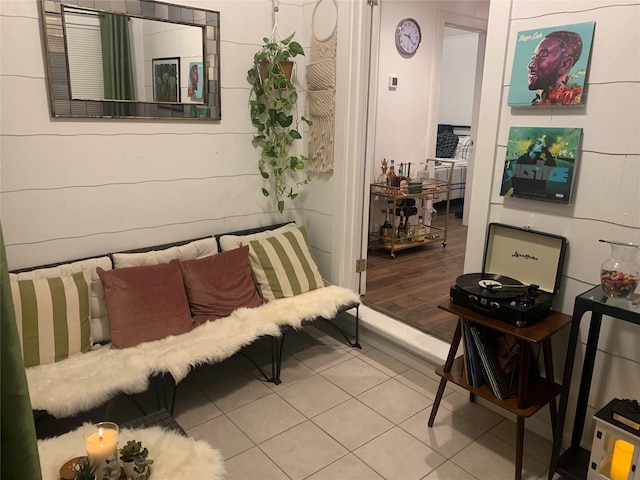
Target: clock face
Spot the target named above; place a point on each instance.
(408, 36)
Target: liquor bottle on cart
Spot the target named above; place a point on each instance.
(420, 231)
(402, 229)
(392, 178)
(386, 231)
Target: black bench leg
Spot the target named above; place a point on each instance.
(276, 360)
(356, 342)
(174, 392)
(161, 384)
(277, 345)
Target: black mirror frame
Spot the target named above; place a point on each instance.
(61, 103)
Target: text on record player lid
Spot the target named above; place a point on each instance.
(526, 255)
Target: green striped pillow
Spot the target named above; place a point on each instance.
(52, 316)
(282, 265)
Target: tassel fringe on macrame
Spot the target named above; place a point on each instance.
(321, 98)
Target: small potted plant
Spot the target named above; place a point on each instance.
(272, 105)
(135, 461)
(84, 469)
(113, 470)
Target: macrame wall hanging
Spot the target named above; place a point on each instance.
(321, 97)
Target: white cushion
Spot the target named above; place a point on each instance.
(190, 251)
(231, 242)
(99, 321)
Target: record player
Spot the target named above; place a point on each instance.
(521, 274)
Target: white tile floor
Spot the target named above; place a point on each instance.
(343, 413)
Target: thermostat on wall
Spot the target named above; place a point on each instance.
(393, 82)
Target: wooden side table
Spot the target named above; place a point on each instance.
(532, 394)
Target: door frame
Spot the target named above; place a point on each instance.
(359, 217)
(369, 141)
(446, 19)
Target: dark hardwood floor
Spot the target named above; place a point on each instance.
(409, 287)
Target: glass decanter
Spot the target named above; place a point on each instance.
(619, 273)
(382, 178)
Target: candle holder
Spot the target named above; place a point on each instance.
(616, 442)
(101, 443)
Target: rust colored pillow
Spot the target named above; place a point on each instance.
(145, 303)
(219, 284)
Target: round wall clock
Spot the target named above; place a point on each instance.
(408, 36)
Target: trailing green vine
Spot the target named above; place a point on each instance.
(272, 104)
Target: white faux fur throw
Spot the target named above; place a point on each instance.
(86, 381)
(174, 456)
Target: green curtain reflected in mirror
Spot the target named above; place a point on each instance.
(117, 64)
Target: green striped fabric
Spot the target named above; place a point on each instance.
(282, 265)
(52, 315)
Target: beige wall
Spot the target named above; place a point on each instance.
(407, 117)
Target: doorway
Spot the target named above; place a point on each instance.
(409, 287)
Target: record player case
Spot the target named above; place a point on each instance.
(531, 257)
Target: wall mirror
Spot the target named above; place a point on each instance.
(132, 59)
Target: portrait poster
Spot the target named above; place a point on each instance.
(166, 79)
(541, 163)
(196, 81)
(550, 66)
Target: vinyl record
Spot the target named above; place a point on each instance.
(490, 285)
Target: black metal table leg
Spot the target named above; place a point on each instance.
(585, 381)
(578, 312)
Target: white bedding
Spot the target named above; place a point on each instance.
(459, 176)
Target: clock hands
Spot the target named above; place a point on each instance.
(410, 39)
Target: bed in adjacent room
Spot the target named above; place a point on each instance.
(453, 144)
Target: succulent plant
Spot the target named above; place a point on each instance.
(134, 452)
(130, 451)
(84, 469)
(112, 471)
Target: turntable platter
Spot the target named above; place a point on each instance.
(490, 285)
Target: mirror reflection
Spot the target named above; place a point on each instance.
(120, 57)
(131, 59)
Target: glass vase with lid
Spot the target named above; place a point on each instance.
(382, 178)
(619, 273)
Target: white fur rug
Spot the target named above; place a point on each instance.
(89, 380)
(174, 456)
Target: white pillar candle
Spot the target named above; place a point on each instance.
(101, 442)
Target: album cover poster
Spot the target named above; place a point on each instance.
(550, 66)
(541, 163)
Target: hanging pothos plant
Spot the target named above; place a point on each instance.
(273, 102)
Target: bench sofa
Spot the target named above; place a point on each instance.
(87, 375)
